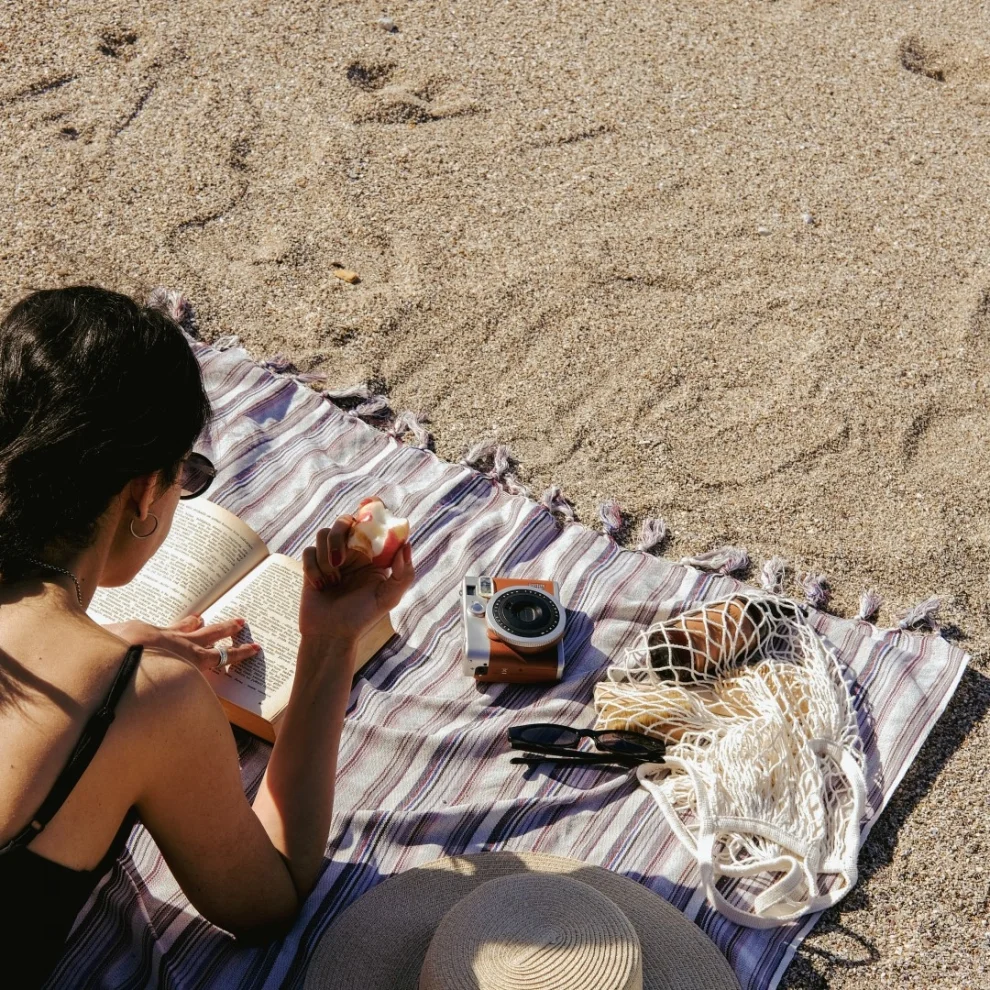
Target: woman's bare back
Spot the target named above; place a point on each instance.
(52, 679)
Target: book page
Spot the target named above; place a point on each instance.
(269, 600)
(207, 551)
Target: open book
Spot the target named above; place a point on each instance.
(214, 564)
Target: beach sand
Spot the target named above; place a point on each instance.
(725, 262)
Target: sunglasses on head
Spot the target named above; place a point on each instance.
(196, 474)
(562, 740)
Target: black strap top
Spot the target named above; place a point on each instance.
(41, 898)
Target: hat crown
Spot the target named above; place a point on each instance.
(533, 930)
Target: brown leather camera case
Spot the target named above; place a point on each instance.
(508, 666)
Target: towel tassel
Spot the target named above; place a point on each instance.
(610, 514)
(501, 460)
(478, 454)
(410, 422)
(370, 405)
(653, 533)
(554, 501)
(279, 363)
(375, 407)
(923, 616)
(176, 307)
(337, 395)
(772, 575)
(816, 590)
(502, 474)
(869, 604)
(721, 560)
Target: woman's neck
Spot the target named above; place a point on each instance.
(51, 587)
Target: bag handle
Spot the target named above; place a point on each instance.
(780, 902)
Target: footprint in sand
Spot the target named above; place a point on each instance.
(388, 103)
(920, 58)
(917, 430)
(979, 317)
(54, 99)
(370, 76)
(118, 44)
(964, 433)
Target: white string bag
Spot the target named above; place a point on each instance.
(763, 775)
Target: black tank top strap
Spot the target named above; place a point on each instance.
(81, 756)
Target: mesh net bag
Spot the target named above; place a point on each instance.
(763, 776)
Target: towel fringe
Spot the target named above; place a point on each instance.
(772, 575)
(226, 342)
(869, 604)
(816, 590)
(514, 486)
(502, 461)
(501, 473)
(410, 422)
(278, 363)
(721, 560)
(554, 501)
(653, 533)
(478, 454)
(176, 307)
(610, 514)
(924, 616)
(370, 405)
(375, 407)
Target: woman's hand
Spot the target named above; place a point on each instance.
(188, 639)
(344, 596)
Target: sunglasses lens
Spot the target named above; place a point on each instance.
(549, 735)
(196, 475)
(629, 743)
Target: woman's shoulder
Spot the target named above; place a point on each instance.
(171, 691)
(165, 714)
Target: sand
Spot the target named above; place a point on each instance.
(725, 262)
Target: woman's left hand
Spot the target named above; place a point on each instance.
(188, 639)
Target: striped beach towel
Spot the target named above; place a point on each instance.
(424, 768)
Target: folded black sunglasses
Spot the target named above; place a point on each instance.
(562, 740)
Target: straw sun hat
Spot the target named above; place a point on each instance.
(508, 921)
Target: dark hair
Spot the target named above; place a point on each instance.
(95, 391)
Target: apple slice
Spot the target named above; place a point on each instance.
(376, 533)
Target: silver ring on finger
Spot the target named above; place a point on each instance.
(222, 661)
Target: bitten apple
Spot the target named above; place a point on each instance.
(376, 533)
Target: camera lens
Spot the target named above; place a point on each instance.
(526, 613)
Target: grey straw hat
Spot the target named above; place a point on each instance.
(502, 921)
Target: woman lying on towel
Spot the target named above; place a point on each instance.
(100, 404)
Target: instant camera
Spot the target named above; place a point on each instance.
(513, 630)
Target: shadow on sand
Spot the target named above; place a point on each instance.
(814, 965)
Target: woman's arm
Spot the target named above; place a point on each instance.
(295, 800)
(248, 869)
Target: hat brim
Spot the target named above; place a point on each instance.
(380, 941)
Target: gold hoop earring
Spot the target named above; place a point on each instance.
(144, 536)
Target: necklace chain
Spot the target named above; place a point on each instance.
(55, 567)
